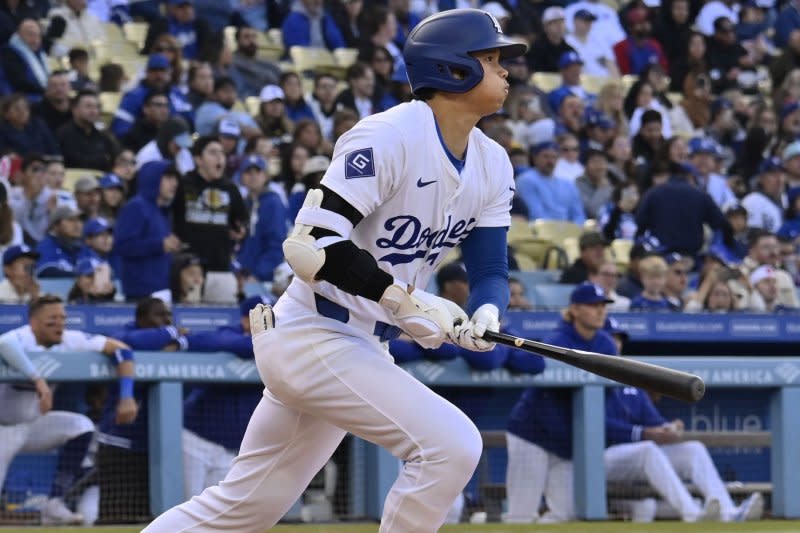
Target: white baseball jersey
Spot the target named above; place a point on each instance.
(20, 404)
(393, 168)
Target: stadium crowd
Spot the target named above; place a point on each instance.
(658, 141)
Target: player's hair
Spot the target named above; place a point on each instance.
(43, 300)
(145, 306)
(653, 265)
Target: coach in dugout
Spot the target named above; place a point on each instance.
(27, 423)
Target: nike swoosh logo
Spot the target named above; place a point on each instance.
(422, 184)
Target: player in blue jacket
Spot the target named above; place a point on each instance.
(540, 425)
(143, 235)
(261, 250)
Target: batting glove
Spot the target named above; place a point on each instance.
(261, 319)
(469, 334)
(426, 318)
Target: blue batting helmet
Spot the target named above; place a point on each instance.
(441, 45)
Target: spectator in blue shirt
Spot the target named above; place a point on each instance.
(99, 236)
(221, 104)
(547, 196)
(787, 21)
(296, 106)
(22, 132)
(143, 235)
(653, 273)
(703, 154)
(60, 249)
(309, 24)
(571, 66)
(540, 425)
(192, 31)
(158, 75)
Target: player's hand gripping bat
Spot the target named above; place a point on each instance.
(673, 383)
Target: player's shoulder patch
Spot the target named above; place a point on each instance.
(359, 164)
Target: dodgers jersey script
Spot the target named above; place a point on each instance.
(393, 168)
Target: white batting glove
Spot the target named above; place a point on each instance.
(261, 319)
(426, 318)
(469, 334)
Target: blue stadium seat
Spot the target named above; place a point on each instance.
(58, 286)
(531, 278)
(550, 295)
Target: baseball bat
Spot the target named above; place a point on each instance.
(674, 383)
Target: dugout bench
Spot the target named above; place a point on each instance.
(374, 470)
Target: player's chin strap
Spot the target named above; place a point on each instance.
(319, 247)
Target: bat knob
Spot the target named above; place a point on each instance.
(697, 389)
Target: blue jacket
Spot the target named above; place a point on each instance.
(112, 259)
(299, 110)
(221, 413)
(139, 236)
(57, 258)
(788, 20)
(790, 228)
(544, 416)
(262, 250)
(34, 137)
(640, 303)
(297, 31)
(628, 411)
(130, 108)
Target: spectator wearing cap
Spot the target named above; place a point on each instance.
(172, 143)
(157, 77)
(607, 276)
(571, 65)
(82, 144)
(599, 130)
(764, 249)
(22, 132)
(221, 105)
(766, 204)
(272, 117)
(143, 236)
(261, 251)
(86, 289)
(703, 155)
(606, 29)
(764, 298)
(594, 186)
(81, 25)
(639, 49)
(313, 170)
(546, 195)
(712, 11)
(592, 251)
(87, 197)
(726, 57)
(215, 217)
(98, 234)
(155, 112)
(112, 196)
(31, 200)
(545, 55)
(193, 32)
(790, 229)
(60, 249)
(675, 212)
(310, 24)
(19, 285)
(677, 283)
(653, 273)
(23, 60)
(539, 437)
(596, 53)
(250, 71)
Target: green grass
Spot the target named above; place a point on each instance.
(766, 526)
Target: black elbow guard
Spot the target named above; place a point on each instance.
(354, 270)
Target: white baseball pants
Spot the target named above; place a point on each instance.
(664, 467)
(47, 432)
(322, 383)
(205, 463)
(532, 472)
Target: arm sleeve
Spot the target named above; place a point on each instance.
(522, 361)
(12, 353)
(150, 338)
(82, 341)
(445, 352)
(405, 351)
(485, 253)
(486, 360)
(221, 340)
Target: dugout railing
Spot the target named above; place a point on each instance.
(377, 469)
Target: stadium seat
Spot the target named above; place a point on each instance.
(135, 32)
(621, 249)
(525, 244)
(58, 286)
(71, 175)
(345, 56)
(572, 249)
(275, 37)
(311, 58)
(627, 82)
(555, 230)
(555, 295)
(546, 81)
(109, 102)
(252, 104)
(593, 84)
(591, 225)
(533, 278)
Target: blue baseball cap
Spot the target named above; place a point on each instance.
(252, 161)
(768, 165)
(597, 119)
(718, 105)
(96, 226)
(702, 145)
(249, 303)
(157, 62)
(111, 181)
(86, 266)
(613, 327)
(546, 145)
(589, 293)
(13, 253)
(569, 58)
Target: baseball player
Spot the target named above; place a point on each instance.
(26, 422)
(404, 187)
